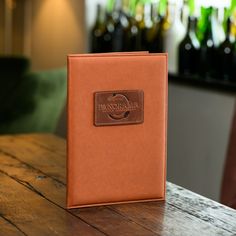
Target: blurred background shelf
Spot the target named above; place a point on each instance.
(204, 83)
(199, 126)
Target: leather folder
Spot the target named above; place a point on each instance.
(117, 124)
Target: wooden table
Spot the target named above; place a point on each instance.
(32, 200)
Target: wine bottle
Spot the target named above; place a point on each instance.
(162, 8)
(98, 31)
(132, 41)
(121, 25)
(189, 50)
(155, 33)
(217, 26)
(147, 26)
(225, 55)
(173, 36)
(109, 27)
(141, 23)
(207, 51)
(185, 13)
(167, 21)
(163, 24)
(205, 13)
(160, 27)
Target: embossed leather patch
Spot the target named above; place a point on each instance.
(118, 107)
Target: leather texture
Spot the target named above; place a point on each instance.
(116, 164)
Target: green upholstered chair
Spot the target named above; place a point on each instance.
(30, 101)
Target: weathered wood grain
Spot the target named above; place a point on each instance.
(31, 154)
(34, 215)
(50, 189)
(201, 207)
(8, 229)
(53, 143)
(32, 171)
(165, 218)
(112, 223)
(33, 179)
(56, 192)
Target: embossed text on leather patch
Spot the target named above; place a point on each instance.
(118, 107)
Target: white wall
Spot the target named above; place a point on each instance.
(198, 133)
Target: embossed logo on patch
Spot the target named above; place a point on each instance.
(118, 107)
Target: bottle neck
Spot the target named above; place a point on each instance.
(154, 12)
(162, 7)
(117, 10)
(125, 7)
(148, 15)
(118, 5)
(139, 15)
(209, 33)
(228, 28)
(168, 12)
(100, 14)
(209, 18)
(191, 24)
(132, 6)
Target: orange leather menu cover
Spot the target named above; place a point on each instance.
(117, 123)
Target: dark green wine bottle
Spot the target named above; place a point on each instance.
(121, 25)
(225, 55)
(154, 34)
(132, 40)
(109, 27)
(207, 51)
(108, 34)
(148, 24)
(189, 50)
(149, 27)
(203, 22)
(141, 24)
(98, 31)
